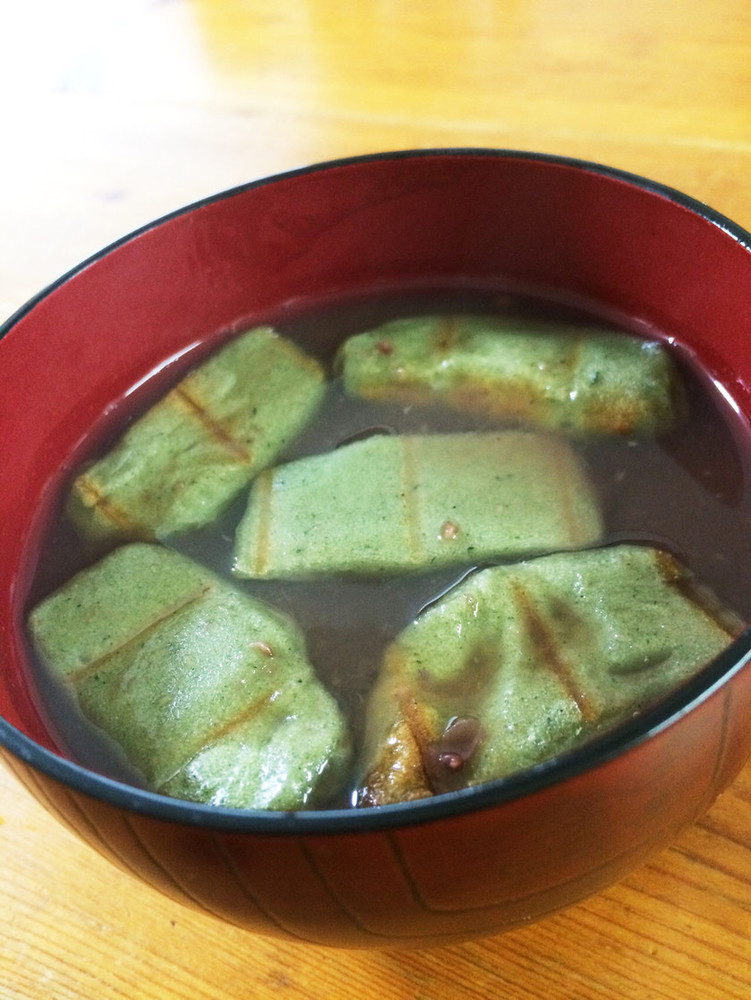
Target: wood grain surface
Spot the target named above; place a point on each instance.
(113, 113)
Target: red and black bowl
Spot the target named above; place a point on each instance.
(464, 864)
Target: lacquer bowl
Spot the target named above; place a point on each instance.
(465, 864)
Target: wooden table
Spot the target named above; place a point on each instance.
(114, 113)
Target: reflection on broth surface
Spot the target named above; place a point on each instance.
(681, 490)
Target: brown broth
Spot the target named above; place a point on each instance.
(687, 491)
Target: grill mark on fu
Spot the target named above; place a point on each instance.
(550, 656)
(88, 669)
(214, 734)
(264, 489)
(94, 497)
(222, 729)
(213, 426)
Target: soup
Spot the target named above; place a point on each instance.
(682, 490)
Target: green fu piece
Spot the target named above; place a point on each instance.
(394, 504)
(208, 692)
(520, 663)
(579, 379)
(183, 462)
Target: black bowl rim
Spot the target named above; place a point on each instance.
(588, 756)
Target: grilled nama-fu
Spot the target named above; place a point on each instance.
(398, 503)
(520, 663)
(178, 466)
(207, 691)
(573, 378)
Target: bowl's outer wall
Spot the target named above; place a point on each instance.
(446, 881)
(522, 222)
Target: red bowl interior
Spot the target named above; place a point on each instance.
(560, 228)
